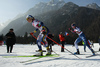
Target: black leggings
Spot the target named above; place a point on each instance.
(62, 48)
(9, 47)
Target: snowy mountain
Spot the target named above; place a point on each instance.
(60, 20)
(93, 6)
(49, 17)
(38, 9)
(16, 24)
(3, 25)
(46, 7)
(59, 3)
(58, 17)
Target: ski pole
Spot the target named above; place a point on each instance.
(63, 47)
(35, 37)
(55, 52)
(42, 43)
(59, 45)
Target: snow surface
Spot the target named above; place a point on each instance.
(64, 60)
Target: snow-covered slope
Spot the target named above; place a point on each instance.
(64, 60)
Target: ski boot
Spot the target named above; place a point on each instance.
(77, 52)
(62, 50)
(93, 51)
(40, 53)
(84, 50)
(48, 51)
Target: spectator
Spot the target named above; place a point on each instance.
(62, 40)
(10, 40)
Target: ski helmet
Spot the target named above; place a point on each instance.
(73, 24)
(29, 16)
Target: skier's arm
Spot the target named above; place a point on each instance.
(71, 30)
(35, 30)
(31, 33)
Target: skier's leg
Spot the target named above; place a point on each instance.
(45, 41)
(39, 41)
(84, 48)
(76, 45)
(46, 44)
(51, 47)
(86, 43)
(39, 45)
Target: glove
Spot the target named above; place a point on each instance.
(34, 31)
(31, 33)
(44, 33)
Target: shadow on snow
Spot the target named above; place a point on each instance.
(61, 58)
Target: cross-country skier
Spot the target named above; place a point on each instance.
(42, 35)
(10, 40)
(50, 42)
(80, 38)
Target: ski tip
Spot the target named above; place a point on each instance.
(90, 56)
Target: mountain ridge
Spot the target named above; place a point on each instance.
(60, 20)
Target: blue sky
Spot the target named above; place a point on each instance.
(11, 8)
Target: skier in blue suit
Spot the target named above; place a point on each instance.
(80, 38)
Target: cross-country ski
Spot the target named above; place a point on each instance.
(92, 56)
(65, 57)
(53, 55)
(39, 57)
